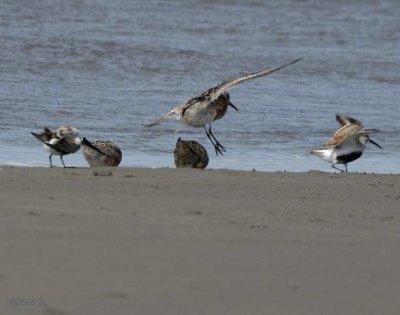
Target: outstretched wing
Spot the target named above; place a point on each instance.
(344, 120)
(213, 93)
(173, 113)
(216, 91)
(343, 133)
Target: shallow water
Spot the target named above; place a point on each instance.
(109, 68)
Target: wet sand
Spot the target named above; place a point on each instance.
(168, 241)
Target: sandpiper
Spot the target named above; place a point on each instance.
(63, 141)
(211, 105)
(347, 143)
(101, 153)
(190, 154)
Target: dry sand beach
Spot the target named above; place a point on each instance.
(182, 241)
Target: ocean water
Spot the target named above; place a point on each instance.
(110, 67)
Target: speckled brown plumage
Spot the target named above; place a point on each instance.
(190, 154)
(349, 127)
(101, 153)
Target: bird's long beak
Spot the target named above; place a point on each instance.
(231, 105)
(373, 142)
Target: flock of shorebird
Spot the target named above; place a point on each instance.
(65, 140)
(346, 145)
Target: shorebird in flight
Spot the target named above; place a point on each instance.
(202, 110)
(347, 143)
(190, 154)
(63, 141)
(101, 153)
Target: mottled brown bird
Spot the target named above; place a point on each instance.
(101, 153)
(190, 154)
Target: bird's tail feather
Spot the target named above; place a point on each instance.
(37, 136)
(90, 145)
(318, 152)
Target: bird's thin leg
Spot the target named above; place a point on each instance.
(62, 161)
(216, 141)
(216, 147)
(345, 166)
(209, 137)
(51, 164)
(341, 171)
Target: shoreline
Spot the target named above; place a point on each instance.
(180, 241)
(208, 169)
(373, 163)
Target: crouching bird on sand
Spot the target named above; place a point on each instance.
(101, 153)
(190, 154)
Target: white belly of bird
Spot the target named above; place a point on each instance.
(198, 115)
